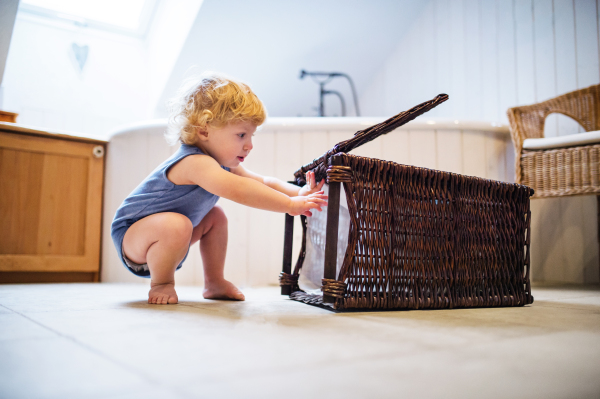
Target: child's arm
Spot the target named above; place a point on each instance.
(283, 187)
(244, 190)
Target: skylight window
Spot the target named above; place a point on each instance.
(131, 16)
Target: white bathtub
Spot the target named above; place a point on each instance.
(282, 145)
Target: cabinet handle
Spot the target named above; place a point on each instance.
(98, 151)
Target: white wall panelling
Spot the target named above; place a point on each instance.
(525, 71)
(255, 246)
(473, 70)
(488, 56)
(545, 58)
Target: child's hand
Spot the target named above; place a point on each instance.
(311, 184)
(302, 205)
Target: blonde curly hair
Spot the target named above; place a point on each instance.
(211, 99)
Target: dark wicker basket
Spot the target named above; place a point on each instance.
(418, 238)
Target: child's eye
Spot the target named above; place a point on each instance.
(242, 135)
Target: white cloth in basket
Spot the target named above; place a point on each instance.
(311, 273)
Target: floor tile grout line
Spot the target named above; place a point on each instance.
(10, 310)
(142, 374)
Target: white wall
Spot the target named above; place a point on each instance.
(8, 12)
(43, 84)
(120, 83)
(169, 31)
(490, 55)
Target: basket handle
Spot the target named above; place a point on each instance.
(364, 136)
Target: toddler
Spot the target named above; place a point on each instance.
(214, 118)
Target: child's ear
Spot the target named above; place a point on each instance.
(202, 133)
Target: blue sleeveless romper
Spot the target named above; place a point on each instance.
(158, 194)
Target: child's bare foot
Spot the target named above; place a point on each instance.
(222, 289)
(162, 294)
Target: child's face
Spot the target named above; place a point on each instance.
(228, 145)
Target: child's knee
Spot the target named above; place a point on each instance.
(218, 216)
(178, 228)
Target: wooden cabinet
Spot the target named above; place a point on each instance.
(50, 206)
(6, 116)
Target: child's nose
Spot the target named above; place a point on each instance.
(248, 145)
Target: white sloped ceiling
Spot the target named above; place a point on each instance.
(267, 42)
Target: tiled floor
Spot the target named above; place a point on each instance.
(104, 341)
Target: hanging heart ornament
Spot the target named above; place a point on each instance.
(81, 54)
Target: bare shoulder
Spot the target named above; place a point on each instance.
(187, 170)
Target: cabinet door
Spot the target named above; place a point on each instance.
(50, 204)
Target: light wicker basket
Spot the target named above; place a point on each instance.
(418, 238)
(563, 171)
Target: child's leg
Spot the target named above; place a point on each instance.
(160, 240)
(212, 233)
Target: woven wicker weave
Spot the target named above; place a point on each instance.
(558, 172)
(419, 238)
